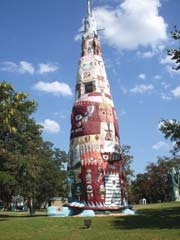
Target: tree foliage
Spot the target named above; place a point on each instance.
(128, 158)
(153, 184)
(171, 130)
(129, 172)
(29, 166)
(175, 53)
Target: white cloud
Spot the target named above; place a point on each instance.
(176, 92)
(47, 67)
(132, 24)
(165, 85)
(56, 88)
(160, 145)
(170, 69)
(153, 50)
(142, 76)
(165, 96)
(26, 67)
(166, 60)
(50, 126)
(124, 90)
(142, 88)
(157, 77)
(8, 66)
(62, 115)
(148, 54)
(169, 65)
(21, 67)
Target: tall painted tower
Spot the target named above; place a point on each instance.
(96, 177)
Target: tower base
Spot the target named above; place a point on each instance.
(79, 209)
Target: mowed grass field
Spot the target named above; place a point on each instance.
(151, 222)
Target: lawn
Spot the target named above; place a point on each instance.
(151, 222)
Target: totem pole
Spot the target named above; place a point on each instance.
(96, 168)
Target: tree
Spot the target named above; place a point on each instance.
(153, 184)
(16, 135)
(29, 166)
(52, 173)
(171, 130)
(157, 181)
(129, 173)
(175, 53)
(128, 160)
(140, 187)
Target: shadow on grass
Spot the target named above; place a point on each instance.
(2, 220)
(151, 219)
(6, 216)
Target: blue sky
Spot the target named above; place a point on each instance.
(39, 52)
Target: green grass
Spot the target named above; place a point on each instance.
(152, 222)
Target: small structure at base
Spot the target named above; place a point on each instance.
(142, 201)
(56, 211)
(87, 213)
(128, 211)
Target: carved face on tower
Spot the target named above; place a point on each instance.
(84, 120)
(106, 114)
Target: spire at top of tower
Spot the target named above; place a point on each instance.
(88, 7)
(89, 23)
